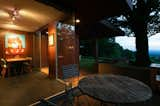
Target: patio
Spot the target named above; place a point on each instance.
(61, 99)
(44, 33)
(29, 88)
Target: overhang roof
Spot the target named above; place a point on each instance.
(90, 12)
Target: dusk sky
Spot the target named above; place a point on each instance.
(129, 42)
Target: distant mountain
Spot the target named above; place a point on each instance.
(154, 53)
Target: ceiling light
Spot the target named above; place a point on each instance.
(14, 14)
(13, 18)
(77, 20)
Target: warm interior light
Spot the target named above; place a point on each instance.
(77, 20)
(13, 18)
(14, 14)
(3, 14)
(50, 40)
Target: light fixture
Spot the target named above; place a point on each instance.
(13, 18)
(77, 20)
(14, 14)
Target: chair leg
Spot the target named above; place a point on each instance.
(3, 72)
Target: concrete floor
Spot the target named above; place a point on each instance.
(26, 89)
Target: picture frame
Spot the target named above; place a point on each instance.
(51, 40)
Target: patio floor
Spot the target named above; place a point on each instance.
(84, 100)
(26, 89)
(88, 101)
(29, 88)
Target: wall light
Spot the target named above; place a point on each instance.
(51, 40)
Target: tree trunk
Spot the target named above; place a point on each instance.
(139, 26)
(142, 53)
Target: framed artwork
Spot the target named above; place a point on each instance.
(51, 40)
(14, 43)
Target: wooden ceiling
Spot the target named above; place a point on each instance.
(32, 15)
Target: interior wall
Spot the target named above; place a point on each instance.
(44, 50)
(2, 44)
(36, 50)
(29, 42)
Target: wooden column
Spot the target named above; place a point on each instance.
(52, 50)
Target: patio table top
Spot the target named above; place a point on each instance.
(115, 89)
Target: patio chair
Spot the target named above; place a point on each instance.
(3, 64)
(71, 71)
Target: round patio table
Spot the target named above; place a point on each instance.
(115, 89)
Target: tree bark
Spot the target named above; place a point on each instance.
(142, 53)
(139, 26)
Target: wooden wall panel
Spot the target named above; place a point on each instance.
(36, 50)
(52, 51)
(1, 46)
(67, 44)
(68, 49)
(29, 43)
(44, 50)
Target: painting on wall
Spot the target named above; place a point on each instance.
(14, 43)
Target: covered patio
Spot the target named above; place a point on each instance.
(41, 53)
